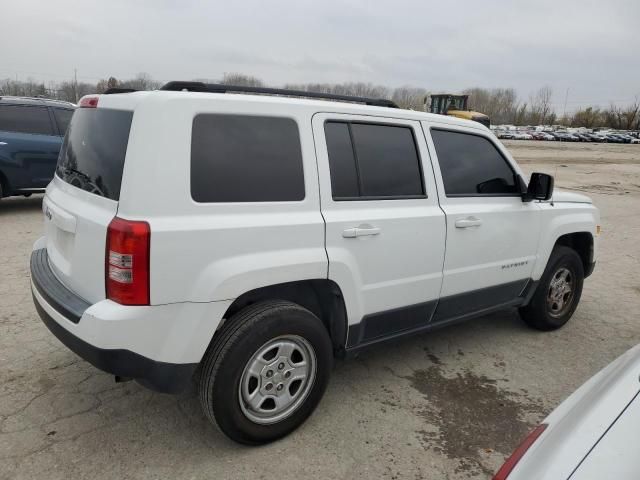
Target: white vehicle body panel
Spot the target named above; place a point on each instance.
(76, 230)
(502, 248)
(562, 218)
(576, 427)
(616, 454)
(400, 266)
(228, 249)
(177, 333)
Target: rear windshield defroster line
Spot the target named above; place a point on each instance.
(92, 155)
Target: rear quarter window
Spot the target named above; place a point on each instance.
(241, 158)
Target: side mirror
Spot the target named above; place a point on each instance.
(540, 187)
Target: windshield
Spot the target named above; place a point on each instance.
(92, 155)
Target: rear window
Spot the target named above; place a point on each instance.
(25, 119)
(241, 158)
(93, 151)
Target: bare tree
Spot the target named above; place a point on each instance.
(409, 97)
(629, 118)
(540, 105)
(69, 90)
(241, 79)
(105, 84)
(588, 117)
(500, 104)
(520, 114)
(142, 81)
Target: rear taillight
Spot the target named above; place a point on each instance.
(519, 452)
(88, 102)
(127, 262)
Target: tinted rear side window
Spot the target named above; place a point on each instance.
(372, 161)
(93, 151)
(63, 117)
(25, 119)
(471, 165)
(342, 163)
(387, 160)
(241, 158)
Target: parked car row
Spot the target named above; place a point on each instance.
(563, 136)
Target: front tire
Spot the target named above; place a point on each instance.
(266, 371)
(558, 293)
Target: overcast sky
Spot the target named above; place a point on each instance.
(590, 47)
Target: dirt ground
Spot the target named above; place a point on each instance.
(445, 405)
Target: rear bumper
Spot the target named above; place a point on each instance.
(160, 376)
(159, 346)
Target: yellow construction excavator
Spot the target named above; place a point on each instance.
(454, 106)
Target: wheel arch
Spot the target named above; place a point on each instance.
(322, 297)
(568, 224)
(583, 244)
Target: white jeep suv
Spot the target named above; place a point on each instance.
(250, 239)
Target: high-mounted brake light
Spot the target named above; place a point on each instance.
(88, 102)
(519, 452)
(127, 262)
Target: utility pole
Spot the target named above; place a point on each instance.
(75, 83)
(566, 97)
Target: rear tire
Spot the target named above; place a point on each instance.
(265, 372)
(558, 293)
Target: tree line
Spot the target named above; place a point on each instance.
(502, 105)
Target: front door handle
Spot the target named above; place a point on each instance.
(468, 222)
(361, 231)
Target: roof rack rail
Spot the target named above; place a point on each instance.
(112, 90)
(220, 88)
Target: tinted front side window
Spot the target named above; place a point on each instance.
(241, 158)
(472, 165)
(93, 151)
(372, 161)
(63, 117)
(25, 119)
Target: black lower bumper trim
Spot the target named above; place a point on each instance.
(160, 376)
(62, 299)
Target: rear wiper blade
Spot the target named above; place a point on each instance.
(86, 178)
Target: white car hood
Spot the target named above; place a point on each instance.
(571, 197)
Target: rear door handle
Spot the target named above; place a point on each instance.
(361, 231)
(468, 222)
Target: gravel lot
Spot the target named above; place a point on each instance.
(449, 404)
